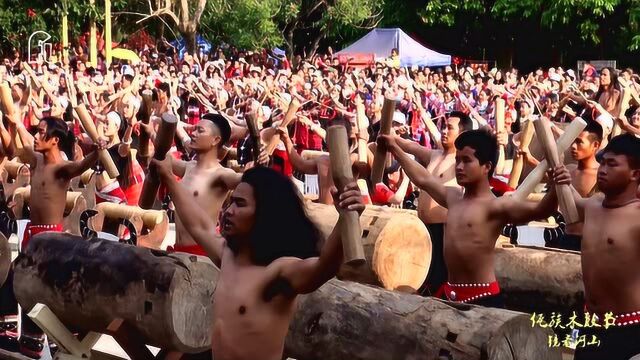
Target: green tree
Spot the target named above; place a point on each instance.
(585, 16)
(299, 25)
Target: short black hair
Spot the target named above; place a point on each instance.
(484, 143)
(466, 123)
(56, 127)
(625, 144)
(277, 199)
(222, 124)
(595, 131)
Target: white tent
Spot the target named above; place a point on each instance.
(380, 42)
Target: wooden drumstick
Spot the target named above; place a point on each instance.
(363, 135)
(565, 140)
(90, 128)
(350, 230)
(254, 133)
(500, 106)
(565, 195)
(164, 140)
(518, 162)
(380, 157)
(288, 117)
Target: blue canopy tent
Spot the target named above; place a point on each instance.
(380, 42)
(181, 45)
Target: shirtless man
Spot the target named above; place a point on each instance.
(50, 177)
(267, 254)
(583, 179)
(611, 251)
(321, 165)
(440, 163)
(204, 178)
(475, 216)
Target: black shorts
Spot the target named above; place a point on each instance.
(492, 301)
(566, 242)
(616, 343)
(438, 269)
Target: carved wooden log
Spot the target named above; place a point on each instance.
(397, 246)
(540, 279)
(151, 225)
(87, 284)
(167, 300)
(344, 320)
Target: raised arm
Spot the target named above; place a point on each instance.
(72, 169)
(307, 275)
(422, 154)
(416, 172)
(517, 211)
(305, 166)
(200, 226)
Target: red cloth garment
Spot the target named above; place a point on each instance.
(281, 162)
(111, 193)
(189, 249)
(467, 292)
(31, 230)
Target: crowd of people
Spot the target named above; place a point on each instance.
(448, 146)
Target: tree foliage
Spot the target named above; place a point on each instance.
(300, 25)
(585, 16)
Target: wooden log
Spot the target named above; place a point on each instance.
(540, 279)
(500, 108)
(150, 218)
(344, 320)
(147, 109)
(379, 159)
(518, 163)
(151, 225)
(564, 142)
(163, 142)
(20, 174)
(312, 154)
(165, 298)
(564, 193)
(350, 231)
(90, 128)
(397, 246)
(5, 258)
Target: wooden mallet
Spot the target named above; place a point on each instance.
(350, 230)
(380, 157)
(500, 108)
(163, 142)
(90, 128)
(565, 195)
(565, 140)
